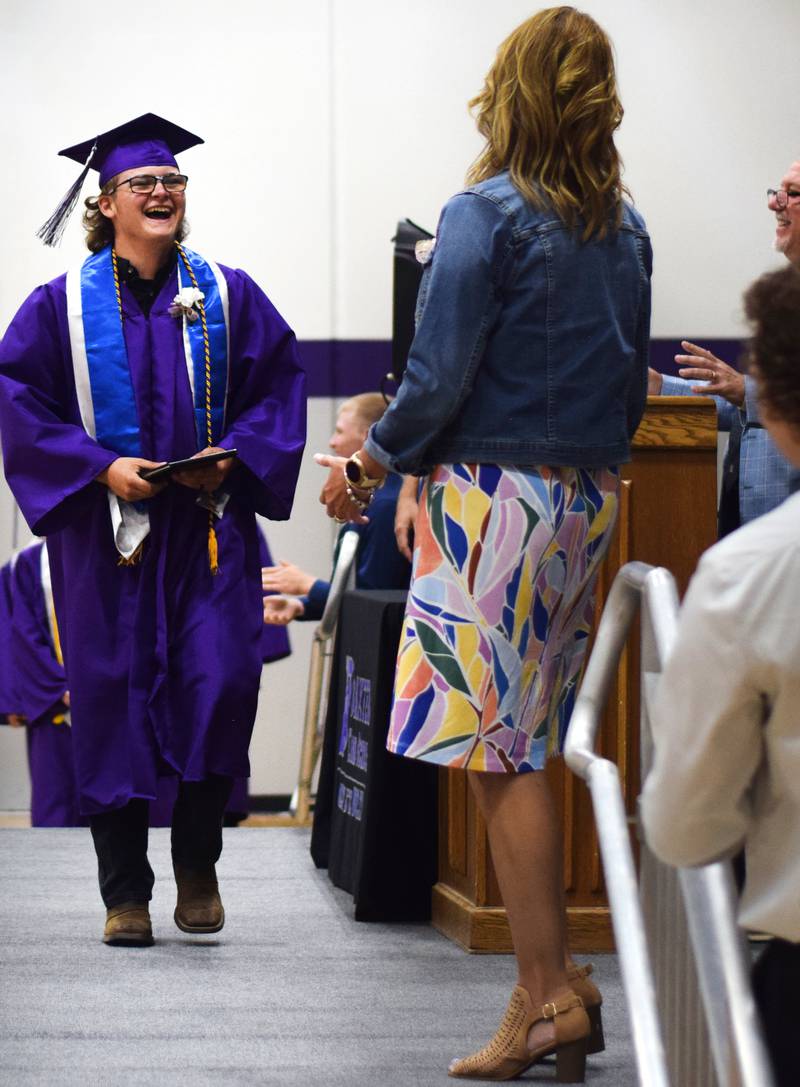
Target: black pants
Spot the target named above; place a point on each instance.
(776, 983)
(120, 839)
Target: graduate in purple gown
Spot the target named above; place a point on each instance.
(150, 353)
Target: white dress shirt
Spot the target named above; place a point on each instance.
(726, 721)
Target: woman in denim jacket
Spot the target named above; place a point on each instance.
(525, 382)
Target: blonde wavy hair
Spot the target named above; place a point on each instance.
(548, 112)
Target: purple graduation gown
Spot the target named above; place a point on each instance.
(164, 659)
(274, 646)
(39, 687)
(8, 700)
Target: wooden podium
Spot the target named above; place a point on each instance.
(667, 517)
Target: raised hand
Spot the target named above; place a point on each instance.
(700, 365)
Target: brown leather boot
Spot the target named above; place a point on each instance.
(199, 908)
(128, 925)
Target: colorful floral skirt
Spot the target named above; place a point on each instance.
(499, 612)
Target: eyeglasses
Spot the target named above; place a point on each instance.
(782, 197)
(146, 183)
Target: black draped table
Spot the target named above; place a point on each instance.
(375, 819)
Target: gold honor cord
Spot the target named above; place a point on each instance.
(56, 638)
(213, 550)
(59, 718)
(116, 283)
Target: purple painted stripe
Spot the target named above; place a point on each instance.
(339, 368)
(345, 367)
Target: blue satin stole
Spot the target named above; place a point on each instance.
(113, 400)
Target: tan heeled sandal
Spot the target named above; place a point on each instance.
(578, 977)
(507, 1055)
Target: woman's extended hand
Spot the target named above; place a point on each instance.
(334, 495)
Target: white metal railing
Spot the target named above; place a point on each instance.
(319, 678)
(699, 952)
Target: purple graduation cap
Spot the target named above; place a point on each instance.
(148, 140)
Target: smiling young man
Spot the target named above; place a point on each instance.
(149, 353)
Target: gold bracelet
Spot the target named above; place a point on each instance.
(355, 474)
(361, 503)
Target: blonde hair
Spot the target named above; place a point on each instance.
(548, 111)
(369, 407)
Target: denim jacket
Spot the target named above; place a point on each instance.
(531, 346)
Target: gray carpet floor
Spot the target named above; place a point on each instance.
(291, 992)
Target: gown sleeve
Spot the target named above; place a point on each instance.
(267, 408)
(50, 461)
(39, 678)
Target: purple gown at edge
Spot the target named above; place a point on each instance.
(39, 686)
(7, 697)
(164, 659)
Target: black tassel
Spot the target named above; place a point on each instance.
(52, 231)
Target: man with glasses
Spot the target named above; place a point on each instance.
(149, 353)
(756, 476)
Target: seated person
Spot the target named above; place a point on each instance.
(726, 726)
(379, 563)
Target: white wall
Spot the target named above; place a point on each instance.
(327, 120)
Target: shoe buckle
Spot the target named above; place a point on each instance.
(549, 1011)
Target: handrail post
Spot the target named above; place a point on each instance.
(318, 678)
(737, 1047)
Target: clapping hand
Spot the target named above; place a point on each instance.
(286, 578)
(279, 611)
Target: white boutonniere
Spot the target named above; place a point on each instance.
(185, 302)
(423, 250)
